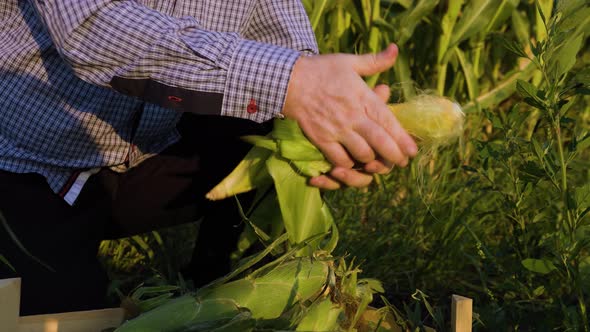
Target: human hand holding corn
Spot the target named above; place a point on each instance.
(345, 119)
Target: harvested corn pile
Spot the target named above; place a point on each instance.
(304, 288)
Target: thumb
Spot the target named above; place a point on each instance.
(371, 64)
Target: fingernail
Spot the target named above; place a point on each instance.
(392, 50)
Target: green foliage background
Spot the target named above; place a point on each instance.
(502, 216)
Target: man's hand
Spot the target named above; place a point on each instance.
(345, 119)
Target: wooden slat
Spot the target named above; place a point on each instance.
(81, 321)
(9, 304)
(461, 314)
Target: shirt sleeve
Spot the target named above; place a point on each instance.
(175, 62)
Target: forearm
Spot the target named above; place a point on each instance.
(142, 52)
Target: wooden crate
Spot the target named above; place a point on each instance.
(81, 321)
(98, 320)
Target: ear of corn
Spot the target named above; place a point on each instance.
(431, 119)
(268, 296)
(181, 313)
(242, 323)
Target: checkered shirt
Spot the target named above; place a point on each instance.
(86, 84)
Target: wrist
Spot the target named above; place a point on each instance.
(294, 87)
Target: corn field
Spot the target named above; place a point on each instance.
(501, 215)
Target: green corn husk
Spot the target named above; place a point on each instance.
(312, 168)
(249, 174)
(183, 313)
(269, 296)
(322, 315)
(300, 149)
(302, 209)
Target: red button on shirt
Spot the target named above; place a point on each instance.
(252, 108)
(174, 99)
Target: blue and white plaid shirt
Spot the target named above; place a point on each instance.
(86, 84)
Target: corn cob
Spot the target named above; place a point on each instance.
(432, 120)
(264, 297)
(182, 313)
(268, 296)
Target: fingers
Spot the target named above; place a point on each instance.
(378, 167)
(385, 146)
(341, 175)
(358, 147)
(371, 64)
(380, 113)
(336, 154)
(324, 182)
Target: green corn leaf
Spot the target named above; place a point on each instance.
(403, 74)
(521, 27)
(504, 10)
(470, 78)
(251, 261)
(263, 224)
(14, 237)
(4, 261)
(152, 290)
(502, 90)
(409, 19)
(330, 246)
(317, 12)
(447, 24)
(474, 19)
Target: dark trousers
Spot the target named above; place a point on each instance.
(164, 190)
